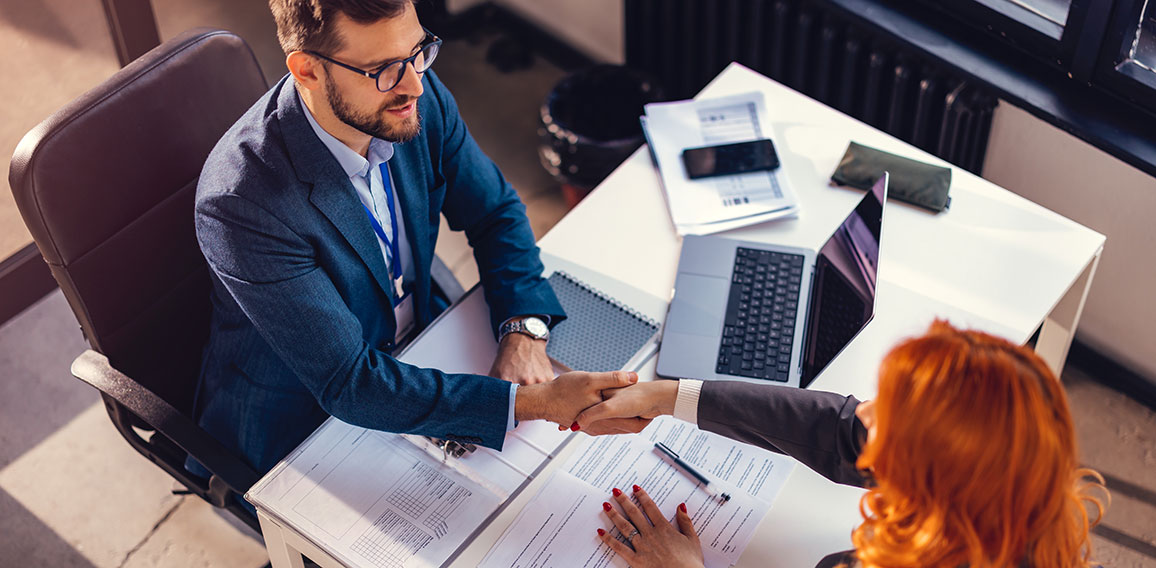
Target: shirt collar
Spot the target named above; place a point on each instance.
(351, 162)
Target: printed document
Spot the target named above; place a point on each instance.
(557, 529)
(375, 499)
(715, 204)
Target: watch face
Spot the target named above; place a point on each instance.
(536, 326)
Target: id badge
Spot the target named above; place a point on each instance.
(403, 315)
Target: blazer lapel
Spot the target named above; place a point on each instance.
(338, 203)
(332, 192)
(406, 168)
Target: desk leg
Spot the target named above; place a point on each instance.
(1060, 326)
(281, 555)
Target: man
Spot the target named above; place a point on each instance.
(318, 212)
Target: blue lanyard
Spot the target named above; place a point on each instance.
(394, 252)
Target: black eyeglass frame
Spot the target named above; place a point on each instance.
(429, 40)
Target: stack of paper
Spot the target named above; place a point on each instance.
(709, 205)
(557, 528)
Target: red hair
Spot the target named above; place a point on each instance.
(974, 457)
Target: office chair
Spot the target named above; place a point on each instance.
(106, 187)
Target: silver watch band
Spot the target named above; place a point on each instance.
(518, 325)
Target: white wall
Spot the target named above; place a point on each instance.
(592, 26)
(455, 6)
(1057, 170)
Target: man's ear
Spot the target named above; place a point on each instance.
(306, 69)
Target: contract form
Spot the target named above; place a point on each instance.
(558, 528)
(375, 499)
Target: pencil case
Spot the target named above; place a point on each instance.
(911, 181)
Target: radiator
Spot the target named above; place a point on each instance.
(685, 43)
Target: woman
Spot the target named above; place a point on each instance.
(968, 453)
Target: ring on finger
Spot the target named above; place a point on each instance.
(630, 538)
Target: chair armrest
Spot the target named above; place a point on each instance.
(95, 369)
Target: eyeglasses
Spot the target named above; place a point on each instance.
(389, 75)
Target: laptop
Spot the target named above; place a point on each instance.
(773, 314)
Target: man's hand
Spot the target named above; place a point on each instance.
(522, 359)
(560, 400)
(629, 410)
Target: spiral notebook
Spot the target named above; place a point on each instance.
(599, 332)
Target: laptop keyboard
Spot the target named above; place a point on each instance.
(844, 312)
(759, 329)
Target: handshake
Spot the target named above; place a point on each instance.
(596, 403)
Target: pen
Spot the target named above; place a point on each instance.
(687, 469)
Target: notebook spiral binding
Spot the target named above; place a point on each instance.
(608, 299)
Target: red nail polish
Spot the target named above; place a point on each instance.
(617, 492)
(606, 507)
(637, 489)
(574, 427)
(601, 532)
(682, 507)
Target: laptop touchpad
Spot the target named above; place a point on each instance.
(699, 305)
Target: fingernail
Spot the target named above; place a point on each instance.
(682, 507)
(574, 427)
(617, 492)
(637, 489)
(601, 532)
(606, 506)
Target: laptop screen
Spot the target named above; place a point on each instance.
(843, 289)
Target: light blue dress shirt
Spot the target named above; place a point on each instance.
(365, 175)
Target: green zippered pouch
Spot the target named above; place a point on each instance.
(911, 181)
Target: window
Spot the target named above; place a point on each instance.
(1043, 16)
(1107, 44)
(1128, 64)
(1054, 11)
(1143, 49)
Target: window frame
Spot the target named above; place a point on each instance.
(1092, 47)
(1065, 85)
(1116, 71)
(1011, 24)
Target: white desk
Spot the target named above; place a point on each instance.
(993, 261)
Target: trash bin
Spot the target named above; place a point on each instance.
(589, 125)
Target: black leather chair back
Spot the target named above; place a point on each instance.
(106, 187)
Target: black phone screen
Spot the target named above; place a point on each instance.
(730, 159)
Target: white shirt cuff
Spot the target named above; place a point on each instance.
(510, 424)
(686, 405)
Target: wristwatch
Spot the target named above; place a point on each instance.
(530, 325)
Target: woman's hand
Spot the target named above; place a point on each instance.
(652, 545)
(629, 410)
(560, 400)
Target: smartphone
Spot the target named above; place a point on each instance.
(727, 159)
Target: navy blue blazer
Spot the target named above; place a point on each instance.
(302, 324)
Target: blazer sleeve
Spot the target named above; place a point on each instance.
(482, 203)
(272, 274)
(819, 429)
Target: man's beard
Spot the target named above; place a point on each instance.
(375, 124)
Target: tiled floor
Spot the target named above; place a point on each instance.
(72, 493)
